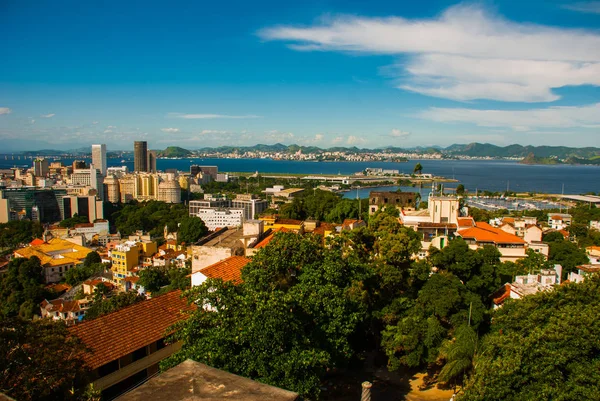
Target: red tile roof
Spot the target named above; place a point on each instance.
(501, 294)
(265, 241)
(483, 232)
(289, 221)
(229, 269)
(465, 222)
(37, 241)
(117, 334)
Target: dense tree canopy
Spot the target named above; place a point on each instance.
(72, 221)
(149, 216)
(543, 347)
(102, 306)
(16, 233)
(292, 318)
(39, 361)
(324, 206)
(22, 288)
(190, 230)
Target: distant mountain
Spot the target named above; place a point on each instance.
(174, 151)
(532, 159)
(489, 150)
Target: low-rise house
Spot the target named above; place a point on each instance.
(527, 285)
(89, 286)
(126, 346)
(399, 200)
(229, 269)
(57, 256)
(595, 225)
(69, 311)
(351, 224)
(583, 272)
(510, 246)
(559, 221)
(593, 253)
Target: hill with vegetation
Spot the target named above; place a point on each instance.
(532, 159)
(174, 151)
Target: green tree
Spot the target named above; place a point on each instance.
(460, 189)
(543, 347)
(553, 236)
(418, 168)
(16, 233)
(92, 258)
(72, 221)
(22, 288)
(295, 316)
(39, 360)
(190, 230)
(568, 255)
(112, 304)
(459, 354)
(152, 279)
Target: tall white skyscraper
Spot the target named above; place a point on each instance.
(99, 157)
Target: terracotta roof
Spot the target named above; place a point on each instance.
(510, 220)
(132, 279)
(117, 334)
(483, 232)
(465, 221)
(324, 227)
(501, 294)
(556, 217)
(565, 233)
(426, 224)
(61, 305)
(60, 287)
(289, 221)
(265, 241)
(229, 269)
(37, 241)
(84, 225)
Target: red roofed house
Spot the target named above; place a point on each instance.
(559, 221)
(510, 246)
(126, 346)
(62, 309)
(229, 269)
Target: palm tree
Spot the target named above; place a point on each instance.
(459, 354)
(418, 168)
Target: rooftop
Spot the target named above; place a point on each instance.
(117, 334)
(191, 381)
(224, 238)
(483, 232)
(229, 269)
(55, 252)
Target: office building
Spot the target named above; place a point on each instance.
(111, 189)
(99, 158)
(87, 206)
(26, 203)
(89, 177)
(151, 161)
(79, 165)
(140, 156)
(250, 204)
(219, 218)
(169, 191)
(40, 167)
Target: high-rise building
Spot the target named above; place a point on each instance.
(40, 167)
(169, 191)
(88, 206)
(90, 177)
(151, 163)
(111, 189)
(140, 156)
(99, 157)
(251, 205)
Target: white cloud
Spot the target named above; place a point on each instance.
(170, 130)
(277, 136)
(210, 116)
(111, 127)
(520, 120)
(355, 140)
(396, 133)
(5, 110)
(591, 7)
(465, 54)
(318, 137)
(48, 115)
(108, 131)
(95, 122)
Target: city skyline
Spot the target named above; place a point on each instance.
(321, 73)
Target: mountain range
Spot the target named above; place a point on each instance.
(562, 153)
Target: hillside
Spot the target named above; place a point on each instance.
(532, 159)
(174, 151)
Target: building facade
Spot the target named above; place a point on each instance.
(99, 158)
(140, 156)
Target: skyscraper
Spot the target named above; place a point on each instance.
(140, 156)
(151, 161)
(99, 157)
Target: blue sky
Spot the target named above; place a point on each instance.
(324, 73)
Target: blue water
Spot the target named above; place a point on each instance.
(492, 175)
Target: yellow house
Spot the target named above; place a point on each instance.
(290, 224)
(125, 257)
(57, 256)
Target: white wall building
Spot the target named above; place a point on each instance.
(99, 158)
(219, 218)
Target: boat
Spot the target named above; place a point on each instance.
(123, 161)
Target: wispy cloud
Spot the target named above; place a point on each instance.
(47, 115)
(590, 7)
(5, 110)
(520, 120)
(211, 116)
(467, 53)
(396, 133)
(170, 130)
